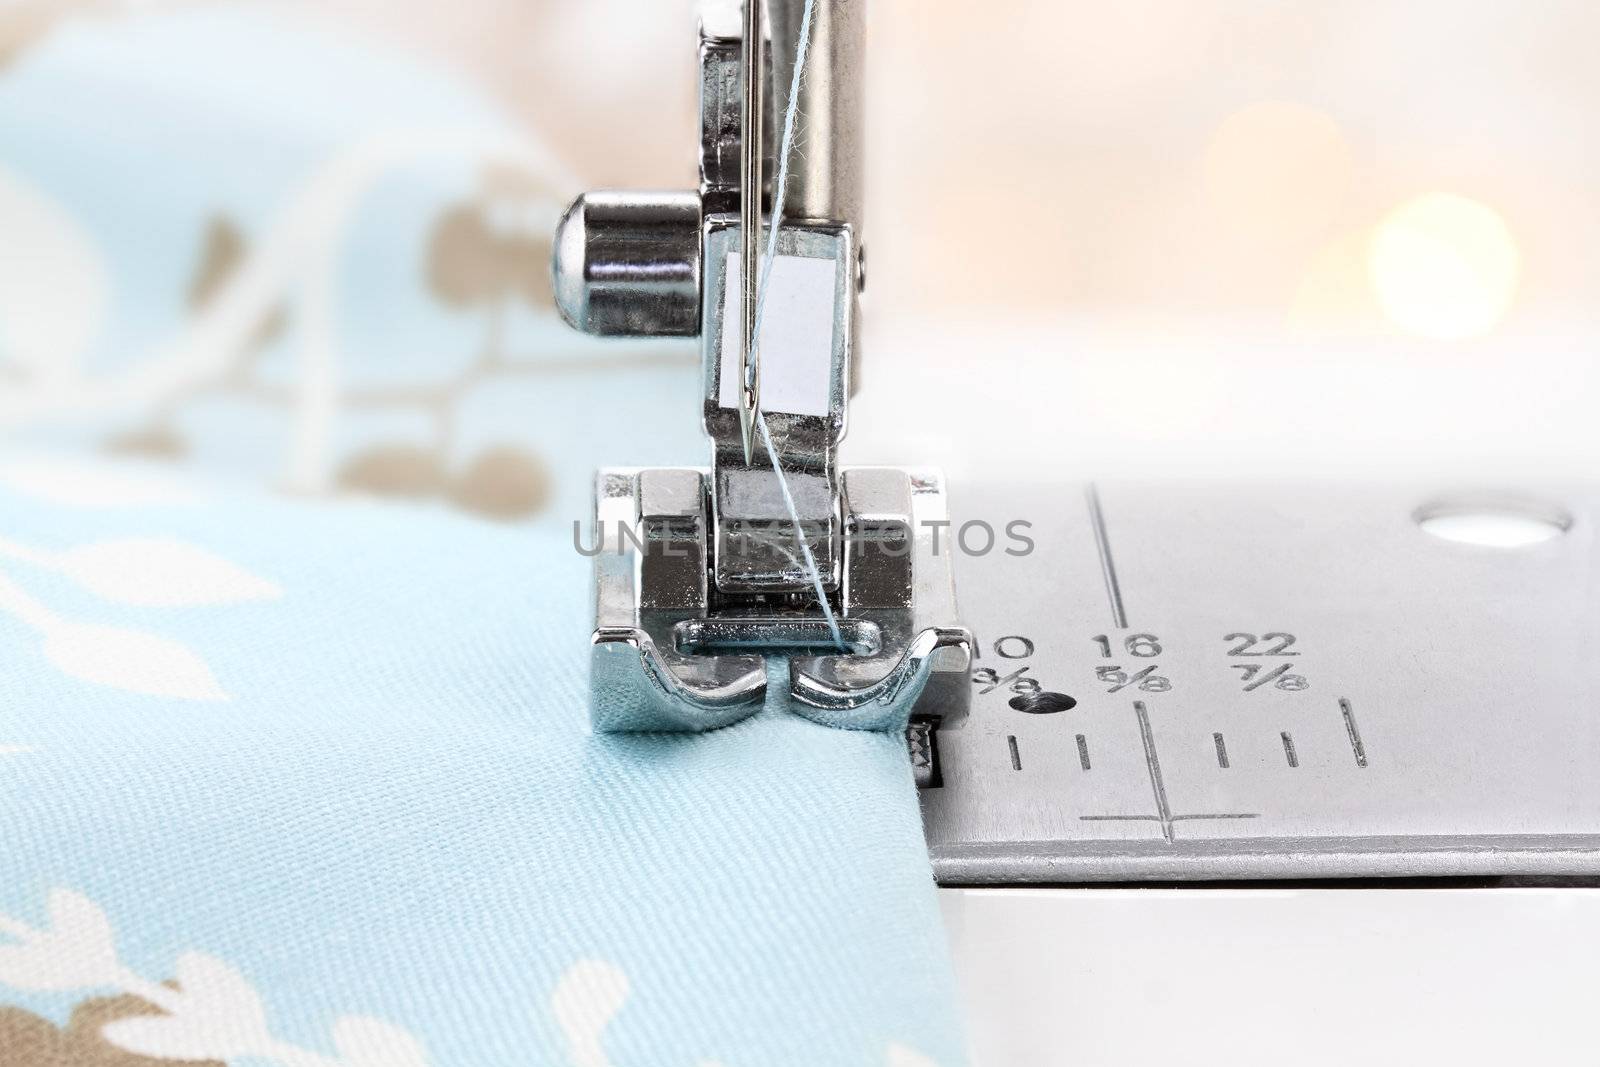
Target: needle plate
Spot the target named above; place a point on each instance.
(1199, 683)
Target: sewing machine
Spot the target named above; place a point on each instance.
(1103, 685)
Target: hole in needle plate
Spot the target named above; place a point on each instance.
(1042, 703)
(1491, 521)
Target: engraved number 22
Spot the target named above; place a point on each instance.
(1247, 643)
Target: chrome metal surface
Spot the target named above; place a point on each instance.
(746, 495)
(628, 264)
(667, 656)
(722, 111)
(827, 171)
(622, 264)
(754, 85)
(702, 577)
(1201, 683)
(898, 581)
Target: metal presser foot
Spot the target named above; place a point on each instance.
(701, 575)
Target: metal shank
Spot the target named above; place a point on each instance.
(827, 169)
(826, 172)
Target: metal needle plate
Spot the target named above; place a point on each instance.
(1270, 683)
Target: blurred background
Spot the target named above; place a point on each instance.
(306, 240)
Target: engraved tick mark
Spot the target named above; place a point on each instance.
(1108, 569)
(1288, 749)
(1154, 763)
(1083, 752)
(1356, 744)
(1016, 754)
(1222, 750)
(1158, 787)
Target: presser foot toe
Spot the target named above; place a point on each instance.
(635, 689)
(933, 671)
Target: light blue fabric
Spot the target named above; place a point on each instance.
(398, 811)
(125, 139)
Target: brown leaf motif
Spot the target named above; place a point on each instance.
(394, 471)
(222, 253)
(26, 1040)
(503, 483)
(471, 261)
(150, 442)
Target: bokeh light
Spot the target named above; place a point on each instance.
(1443, 266)
(1277, 172)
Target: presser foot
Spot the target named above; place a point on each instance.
(672, 653)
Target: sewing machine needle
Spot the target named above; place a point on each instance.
(750, 179)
